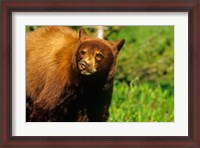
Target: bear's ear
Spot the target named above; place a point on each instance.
(82, 35)
(119, 44)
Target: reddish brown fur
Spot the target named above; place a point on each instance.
(54, 84)
(46, 75)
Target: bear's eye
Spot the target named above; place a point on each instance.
(82, 52)
(99, 55)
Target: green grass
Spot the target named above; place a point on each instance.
(142, 103)
(144, 83)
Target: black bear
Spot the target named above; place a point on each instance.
(69, 75)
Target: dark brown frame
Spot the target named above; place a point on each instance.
(9, 6)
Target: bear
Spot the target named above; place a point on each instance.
(69, 75)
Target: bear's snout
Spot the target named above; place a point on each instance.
(83, 65)
(86, 68)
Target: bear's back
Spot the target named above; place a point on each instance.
(46, 41)
(49, 51)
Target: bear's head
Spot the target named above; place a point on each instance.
(94, 55)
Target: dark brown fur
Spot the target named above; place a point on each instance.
(55, 88)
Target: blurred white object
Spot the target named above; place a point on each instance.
(100, 31)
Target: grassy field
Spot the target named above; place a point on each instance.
(142, 103)
(144, 82)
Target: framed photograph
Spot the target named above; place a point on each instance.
(100, 73)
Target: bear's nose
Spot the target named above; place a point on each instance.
(83, 65)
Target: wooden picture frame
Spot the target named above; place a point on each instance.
(9, 6)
